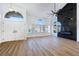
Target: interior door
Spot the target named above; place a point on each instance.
(13, 30)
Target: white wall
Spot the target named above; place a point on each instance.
(0, 29)
(78, 22)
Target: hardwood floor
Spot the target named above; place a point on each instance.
(40, 46)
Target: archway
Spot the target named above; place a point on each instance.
(13, 26)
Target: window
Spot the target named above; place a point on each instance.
(40, 22)
(14, 16)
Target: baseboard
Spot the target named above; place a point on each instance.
(11, 40)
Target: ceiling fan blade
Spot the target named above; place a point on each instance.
(52, 11)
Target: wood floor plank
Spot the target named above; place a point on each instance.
(40, 46)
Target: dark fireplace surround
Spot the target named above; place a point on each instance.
(67, 18)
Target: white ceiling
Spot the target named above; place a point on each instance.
(35, 9)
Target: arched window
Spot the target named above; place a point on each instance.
(14, 16)
(40, 22)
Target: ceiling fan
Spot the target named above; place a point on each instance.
(54, 12)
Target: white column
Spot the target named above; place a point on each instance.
(77, 22)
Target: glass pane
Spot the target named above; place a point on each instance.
(13, 15)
